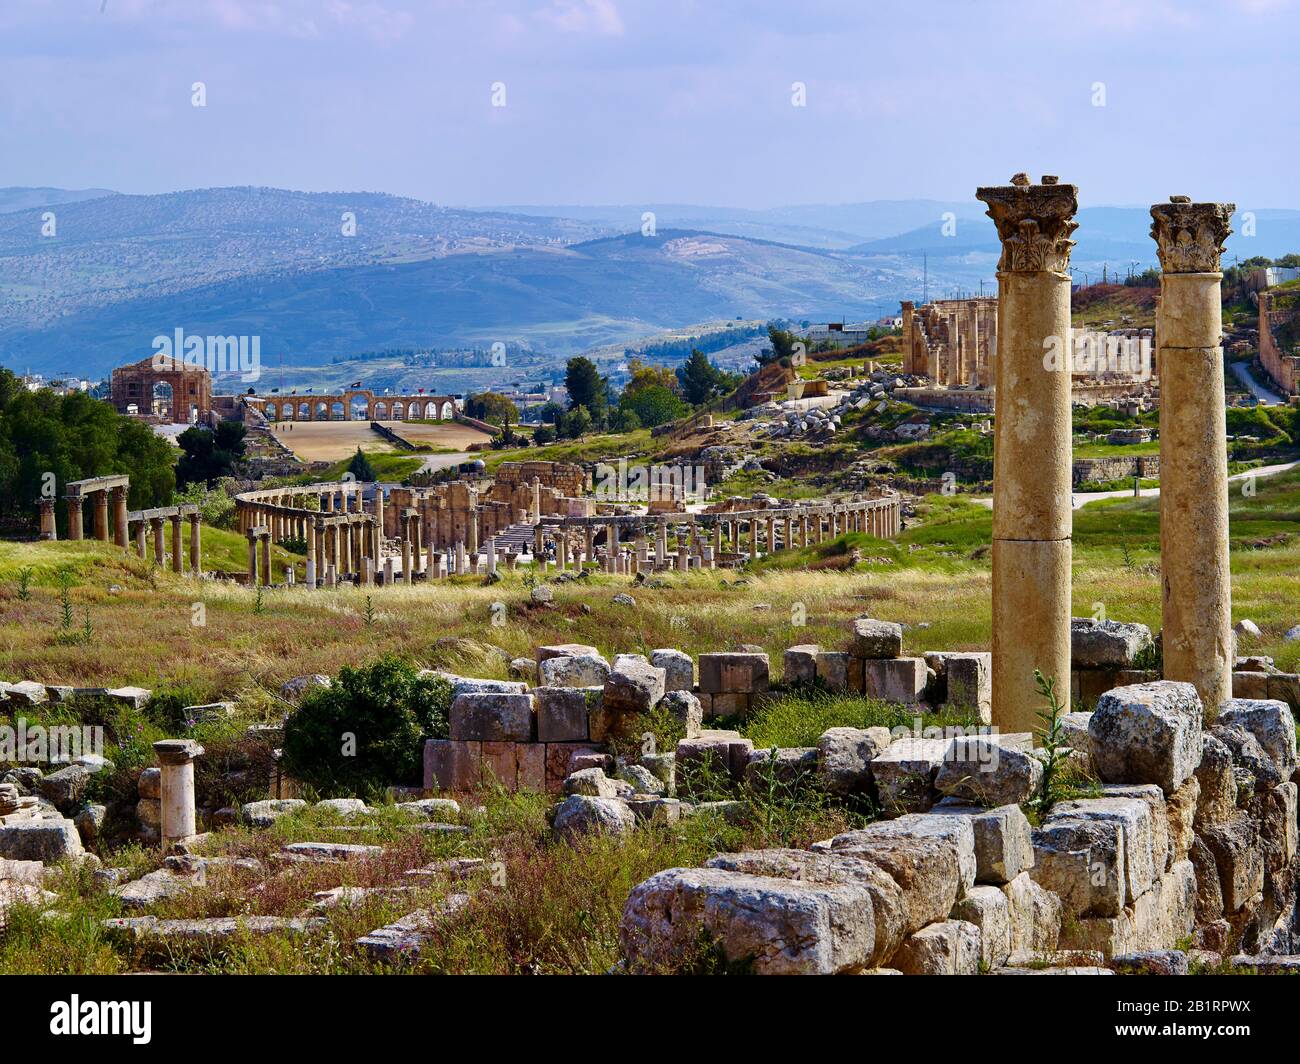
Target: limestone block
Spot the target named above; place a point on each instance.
(894, 679)
(771, 926)
(461, 685)
(679, 669)
(904, 773)
(845, 756)
(951, 947)
(633, 686)
(888, 904)
(1106, 644)
(561, 713)
(1249, 685)
(687, 710)
(1178, 903)
(799, 664)
(149, 785)
(990, 911)
(573, 670)
(1217, 800)
(451, 765)
(967, 680)
(1271, 723)
(1147, 733)
(876, 639)
(785, 769)
(979, 769)
(721, 753)
(1004, 845)
(44, 839)
(1250, 762)
(499, 765)
(1159, 807)
(558, 757)
(530, 767)
(493, 717)
(593, 783)
(959, 832)
(1134, 817)
(833, 669)
(564, 650)
(1036, 915)
(1180, 816)
(927, 869)
(1082, 861)
(733, 673)
(580, 814)
(1278, 828)
(1234, 845)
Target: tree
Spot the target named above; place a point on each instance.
(624, 420)
(587, 388)
(544, 434)
(361, 468)
(700, 379)
(653, 405)
(575, 424)
(644, 375)
(492, 407)
(782, 349)
(207, 455)
(71, 437)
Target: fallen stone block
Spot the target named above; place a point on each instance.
(45, 839)
(889, 906)
(1147, 733)
(403, 939)
(876, 639)
(951, 947)
(904, 774)
(1106, 644)
(1004, 845)
(1082, 862)
(580, 815)
(633, 686)
(1272, 725)
(767, 925)
(493, 717)
(990, 911)
(679, 669)
(1217, 798)
(1135, 819)
(927, 869)
(686, 710)
(894, 679)
(979, 769)
(578, 670)
(733, 673)
(964, 680)
(844, 757)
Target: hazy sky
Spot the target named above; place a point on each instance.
(639, 101)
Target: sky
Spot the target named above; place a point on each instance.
(655, 101)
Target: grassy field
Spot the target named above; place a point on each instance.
(934, 578)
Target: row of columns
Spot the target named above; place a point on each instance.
(155, 524)
(1032, 514)
(102, 500)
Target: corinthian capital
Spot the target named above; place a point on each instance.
(1034, 223)
(1189, 236)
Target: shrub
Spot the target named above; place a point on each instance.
(367, 729)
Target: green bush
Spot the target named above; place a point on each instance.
(367, 730)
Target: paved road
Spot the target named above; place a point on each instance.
(1241, 370)
(1082, 498)
(434, 462)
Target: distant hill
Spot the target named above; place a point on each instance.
(21, 199)
(553, 299)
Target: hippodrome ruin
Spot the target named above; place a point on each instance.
(1179, 845)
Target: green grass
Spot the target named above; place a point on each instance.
(388, 465)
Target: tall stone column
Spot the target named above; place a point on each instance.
(176, 756)
(178, 559)
(313, 540)
(101, 515)
(537, 500)
(75, 530)
(266, 557)
(49, 522)
(196, 545)
(1197, 606)
(252, 557)
(159, 550)
(1032, 447)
